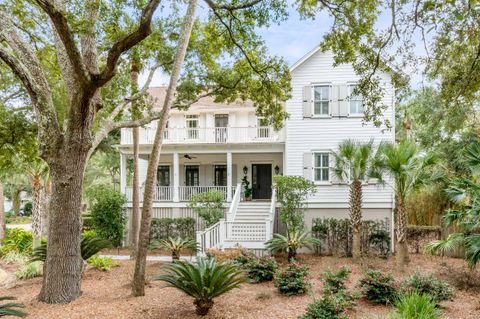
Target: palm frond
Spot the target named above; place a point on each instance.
(472, 250)
(9, 308)
(453, 241)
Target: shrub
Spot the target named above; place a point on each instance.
(10, 308)
(102, 263)
(89, 234)
(27, 209)
(208, 206)
(30, 270)
(261, 269)
(108, 216)
(15, 257)
(416, 306)
(334, 282)
(18, 240)
(204, 280)
(175, 245)
(293, 280)
(294, 240)
(239, 256)
(379, 287)
(162, 228)
(427, 284)
(327, 307)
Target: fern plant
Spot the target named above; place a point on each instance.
(203, 280)
(175, 245)
(416, 306)
(290, 243)
(9, 308)
(89, 246)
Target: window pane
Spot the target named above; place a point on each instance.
(318, 108)
(325, 174)
(318, 160)
(325, 92)
(318, 174)
(318, 93)
(325, 160)
(325, 108)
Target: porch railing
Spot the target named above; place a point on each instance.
(161, 193)
(165, 193)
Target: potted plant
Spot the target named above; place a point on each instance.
(247, 190)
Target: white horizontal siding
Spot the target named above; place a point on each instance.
(324, 134)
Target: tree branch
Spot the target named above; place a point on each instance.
(230, 7)
(127, 42)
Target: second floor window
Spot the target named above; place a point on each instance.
(192, 126)
(321, 167)
(356, 101)
(321, 100)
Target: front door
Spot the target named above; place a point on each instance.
(221, 123)
(220, 175)
(191, 175)
(262, 181)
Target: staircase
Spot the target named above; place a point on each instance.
(247, 224)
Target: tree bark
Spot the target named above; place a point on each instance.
(16, 201)
(402, 248)
(136, 183)
(356, 197)
(138, 284)
(3, 226)
(36, 210)
(46, 195)
(64, 263)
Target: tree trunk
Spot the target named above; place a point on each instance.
(356, 198)
(36, 210)
(136, 184)
(402, 248)
(46, 195)
(16, 201)
(63, 265)
(203, 307)
(3, 226)
(138, 284)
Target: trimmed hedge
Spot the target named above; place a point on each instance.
(162, 228)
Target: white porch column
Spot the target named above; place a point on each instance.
(123, 173)
(229, 176)
(176, 177)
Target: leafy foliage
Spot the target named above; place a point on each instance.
(293, 280)
(18, 240)
(327, 307)
(292, 192)
(108, 214)
(209, 206)
(334, 282)
(102, 263)
(162, 228)
(416, 306)
(175, 245)
(30, 270)
(378, 287)
(247, 189)
(424, 284)
(10, 308)
(204, 280)
(294, 240)
(259, 269)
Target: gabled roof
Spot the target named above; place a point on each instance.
(304, 58)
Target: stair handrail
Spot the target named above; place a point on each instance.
(273, 206)
(232, 211)
(205, 240)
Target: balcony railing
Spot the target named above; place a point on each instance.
(165, 193)
(216, 135)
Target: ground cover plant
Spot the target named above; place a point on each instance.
(379, 287)
(293, 280)
(260, 269)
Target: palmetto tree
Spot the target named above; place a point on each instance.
(175, 245)
(294, 240)
(465, 193)
(204, 280)
(410, 169)
(356, 162)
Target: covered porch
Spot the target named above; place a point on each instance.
(180, 175)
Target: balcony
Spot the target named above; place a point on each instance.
(215, 135)
(185, 193)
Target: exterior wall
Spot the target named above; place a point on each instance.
(307, 134)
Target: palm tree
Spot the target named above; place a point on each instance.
(36, 170)
(175, 245)
(465, 193)
(356, 162)
(409, 169)
(204, 280)
(290, 243)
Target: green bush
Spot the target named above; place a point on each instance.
(102, 263)
(18, 240)
(27, 209)
(108, 214)
(208, 206)
(89, 234)
(416, 306)
(30, 270)
(293, 280)
(334, 282)
(427, 284)
(163, 228)
(327, 307)
(261, 269)
(15, 257)
(379, 288)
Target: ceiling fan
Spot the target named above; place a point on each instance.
(189, 157)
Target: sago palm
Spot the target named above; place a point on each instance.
(465, 193)
(175, 245)
(290, 243)
(355, 163)
(410, 169)
(11, 308)
(203, 280)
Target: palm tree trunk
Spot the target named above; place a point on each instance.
(356, 197)
(3, 227)
(16, 201)
(402, 248)
(36, 210)
(138, 284)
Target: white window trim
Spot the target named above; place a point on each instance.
(350, 114)
(329, 152)
(329, 115)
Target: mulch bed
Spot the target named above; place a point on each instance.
(106, 295)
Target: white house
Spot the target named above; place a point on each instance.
(213, 146)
